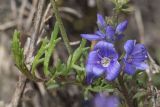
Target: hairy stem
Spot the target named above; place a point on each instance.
(61, 26)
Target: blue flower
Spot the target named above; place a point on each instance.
(106, 101)
(103, 59)
(101, 21)
(135, 57)
(106, 31)
(121, 27)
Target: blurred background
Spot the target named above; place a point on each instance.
(79, 16)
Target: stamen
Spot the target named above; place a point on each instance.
(105, 62)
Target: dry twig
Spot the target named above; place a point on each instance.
(7, 25)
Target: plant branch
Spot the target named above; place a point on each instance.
(36, 26)
(61, 26)
(19, 91)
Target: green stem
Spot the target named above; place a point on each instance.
(61, 26)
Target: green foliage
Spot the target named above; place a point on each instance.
(51, 47)
(18, 55)
(17, 50)
(121, 6)
(142, 79)
(75, 62)
(73, 59)
(100, 85)
(44, 53)
(38, 58)
(120, 2)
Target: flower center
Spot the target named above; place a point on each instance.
(105, 61)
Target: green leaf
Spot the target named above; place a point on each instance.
(69, 64)
(18, 55)
(17, 50)
(78, 52)
(37, 58)
(51, 48)
(73, 59)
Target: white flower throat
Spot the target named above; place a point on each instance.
(105, 62)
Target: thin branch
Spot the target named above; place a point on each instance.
(19, 91)
(61, 26)
(31, 15)
(35, 29)
(138, 17)
(75, 43)
(44, 17)
(14, 9)
(21, 13)
(7, 25)
(71, 11)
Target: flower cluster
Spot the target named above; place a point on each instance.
(104, 59)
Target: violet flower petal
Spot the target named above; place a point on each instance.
(92, 58)
(129, 46)
(106, 101)
(113, 71)
(130, 69)
(100, 21)
(121, 26)
(110, 32)
(97, 71)
(106, 49)
(141, 66)
(91, 37)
